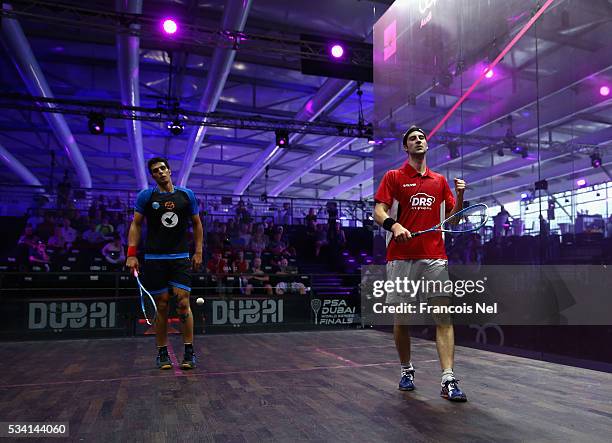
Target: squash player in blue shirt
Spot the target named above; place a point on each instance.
(167, 210)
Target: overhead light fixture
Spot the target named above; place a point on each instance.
(176, 127)
(96, 123)
(604, 91)
(282, 138)
(169, 26)
(581, 182)
(595, 159)
(337, 51)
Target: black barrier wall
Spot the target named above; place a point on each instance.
(84, 305)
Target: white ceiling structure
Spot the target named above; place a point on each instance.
(79, 62)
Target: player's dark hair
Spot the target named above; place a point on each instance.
(410, 130)
(157, 160)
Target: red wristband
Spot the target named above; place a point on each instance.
(132, 251)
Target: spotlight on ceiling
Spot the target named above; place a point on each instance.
(595, 159)
(176, 127)
(489, 73)
(581, 182)
(169, 26)
(282, 138)
(604, 91)
(96, 123)
(337, 51)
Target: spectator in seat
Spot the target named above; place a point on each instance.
(258, 279)
(240, 265)
(69, 233)
(35, 219)
(39, 257)
(113, 252)
(28, 239)
(218, 239)
(105, 228)
(339, 238)
(288, 286)
(218, 268)
(92, 235)
(46, 228)
(259, 241)
(277, 245)
(310, 218)
(57, 240)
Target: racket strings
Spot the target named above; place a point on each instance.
(466, 221)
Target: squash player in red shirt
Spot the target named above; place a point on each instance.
(419, 193)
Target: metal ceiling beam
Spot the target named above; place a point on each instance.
(322, 154)
(235, 14)
(160, 68)
(128, 51)
(549, 172)
(10, 162)
(330, 90)
(20, 51)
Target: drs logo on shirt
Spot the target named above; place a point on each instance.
(169, 219)
(422, 201)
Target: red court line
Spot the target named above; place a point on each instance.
(195, 373)
(494, 63)
(336, 356)
(175, 364)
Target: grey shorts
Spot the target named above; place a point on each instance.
(420, 280)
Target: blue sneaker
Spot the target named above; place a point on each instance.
(451, 391)
(163, 361)
(407, 381)
(189, 361)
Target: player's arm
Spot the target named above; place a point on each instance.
(381, 216)
(198, 238)
(459, 190)
(133, 240)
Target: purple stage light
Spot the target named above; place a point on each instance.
(337, 51)
(489, 73)
(604, 90)
(581, 182)
(170, 26)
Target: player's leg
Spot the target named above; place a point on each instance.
(154, 279)
(161, 321)
(401, 328)
(180, 280)
(437, 271)
(183, 309)
(161, 330)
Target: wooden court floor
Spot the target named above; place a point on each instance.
(296, 386)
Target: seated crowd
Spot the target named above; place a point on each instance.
(252, 257)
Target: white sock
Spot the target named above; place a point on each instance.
(447, 374)
(407, 366)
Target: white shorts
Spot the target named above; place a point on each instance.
(417, 272)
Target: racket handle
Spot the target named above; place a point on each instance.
(416, 234)
(135, 273)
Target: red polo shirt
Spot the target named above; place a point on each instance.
(420, 198)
